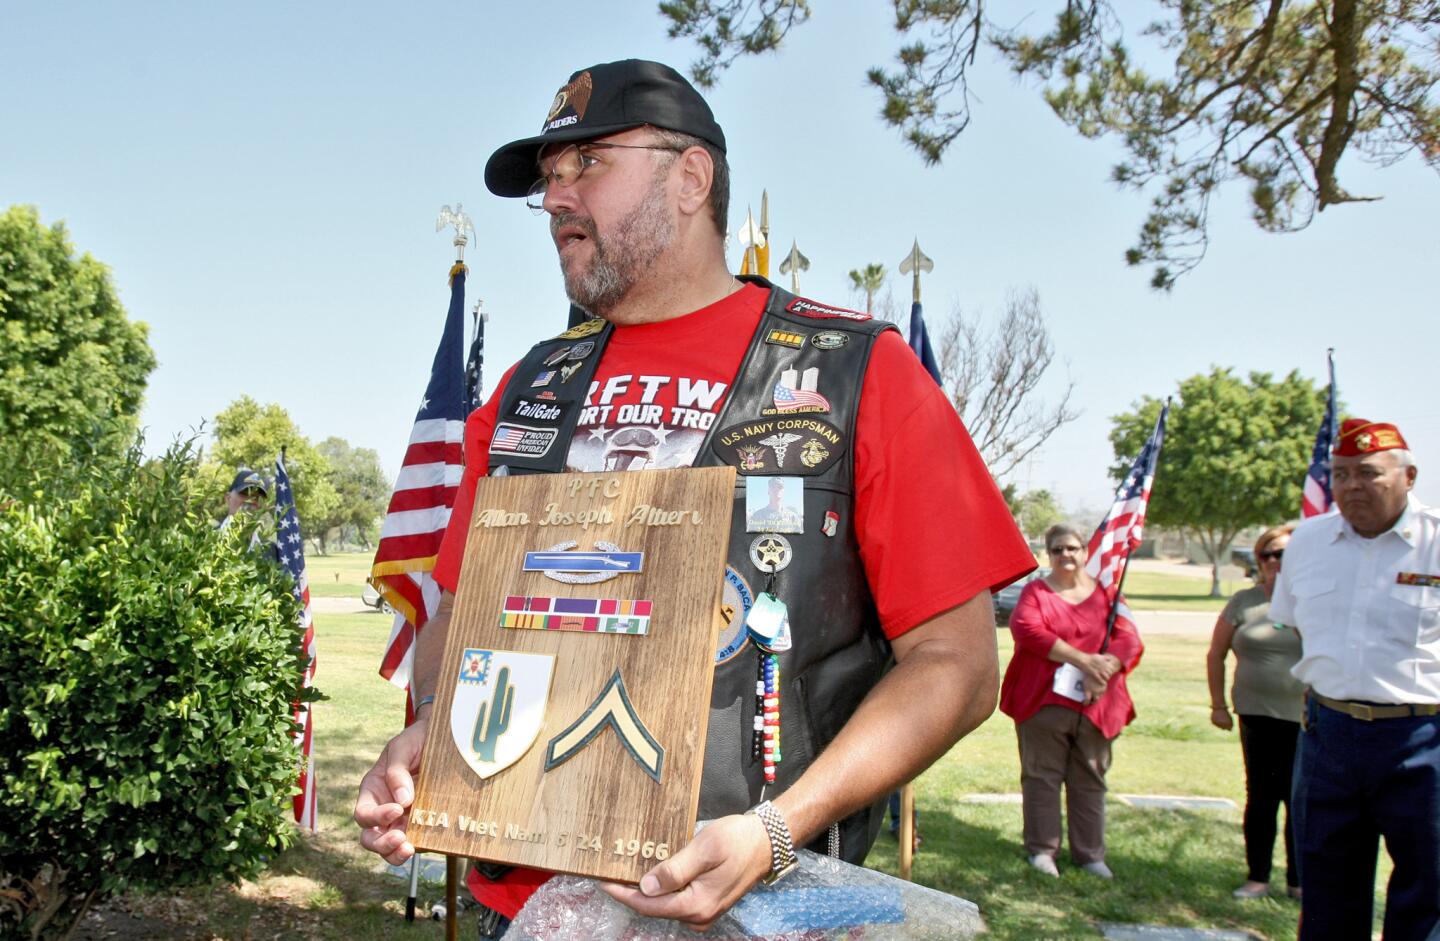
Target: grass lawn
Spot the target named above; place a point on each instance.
(1156, 591)
(1172, 867)
(339, 574)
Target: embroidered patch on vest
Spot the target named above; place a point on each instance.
(586, 328)
(829, 340)
(537, 410)
(799, 446)
(797, 392)
(811, 309)
(524, 440)
(735, 602)
(785, 338)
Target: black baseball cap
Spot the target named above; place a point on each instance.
(600, 100)
(247, 479)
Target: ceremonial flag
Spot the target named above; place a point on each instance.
(1123, 528)
(920, 343)
(290, 552)
(423, 497)
(1317, 497)
(475, 363)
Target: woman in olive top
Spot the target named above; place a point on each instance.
(1267, 700)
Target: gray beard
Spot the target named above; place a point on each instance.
(622, 258)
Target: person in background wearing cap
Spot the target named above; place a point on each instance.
(246, 493)
(904, 532)
(1363, 590)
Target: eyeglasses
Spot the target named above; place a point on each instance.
(1062, 550)
(571, 163)
(1271, 554)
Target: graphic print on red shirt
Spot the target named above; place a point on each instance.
(637, 416)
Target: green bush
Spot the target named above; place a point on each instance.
(148, 663)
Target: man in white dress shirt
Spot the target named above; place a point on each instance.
(1363, 589)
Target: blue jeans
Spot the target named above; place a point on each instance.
(1355, 782)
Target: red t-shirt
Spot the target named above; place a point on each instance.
(1040, 618)
(933, 528)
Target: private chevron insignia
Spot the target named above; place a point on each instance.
(611, 708)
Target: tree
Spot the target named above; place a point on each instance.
(147, 668)
(1039, 510)
(1235, 455)
(248, 434)
(869, 280)
(992, 377)
(362, 489)
(69, 358)
(1269, 94)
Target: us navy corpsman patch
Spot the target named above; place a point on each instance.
(799, 445)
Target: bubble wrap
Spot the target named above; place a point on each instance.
(821, 900)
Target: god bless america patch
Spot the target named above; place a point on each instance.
(808, 308)
(799, 446)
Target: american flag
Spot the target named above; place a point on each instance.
(1317, 498)
(920, 343)
(507, 439)
(424, 494)
(792, 400)
(1123, 528)
(475, 362)
(290, 551)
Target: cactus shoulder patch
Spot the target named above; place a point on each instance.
(499, 706)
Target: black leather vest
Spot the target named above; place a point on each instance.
(839, 652)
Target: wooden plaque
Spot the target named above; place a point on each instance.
(568, 730)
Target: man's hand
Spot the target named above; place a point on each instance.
(383, 807)
(699, 884)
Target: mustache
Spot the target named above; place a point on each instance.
(583, 223)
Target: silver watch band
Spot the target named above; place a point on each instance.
(782, 845)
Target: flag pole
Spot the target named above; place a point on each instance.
(1125, 566)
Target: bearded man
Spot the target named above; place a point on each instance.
(904, 532)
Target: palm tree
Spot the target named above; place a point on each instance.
(869, 279)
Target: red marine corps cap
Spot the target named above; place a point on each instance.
(600, 100)
(1358, 437)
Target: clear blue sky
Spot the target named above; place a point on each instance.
(264, 181)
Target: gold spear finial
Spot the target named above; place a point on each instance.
(916, 262)
(752, 237)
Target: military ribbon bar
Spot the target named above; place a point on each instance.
(586, 615)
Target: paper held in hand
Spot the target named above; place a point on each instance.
(568, 730)
(1069, 682)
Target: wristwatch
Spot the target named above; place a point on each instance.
(782, 847)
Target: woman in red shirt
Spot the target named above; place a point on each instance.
(1068, 699)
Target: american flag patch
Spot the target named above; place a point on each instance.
(525, 440)
(586, 615)
(798, 400)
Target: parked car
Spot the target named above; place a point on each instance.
(373, 599)
(1006, 598)
(1245, 558)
